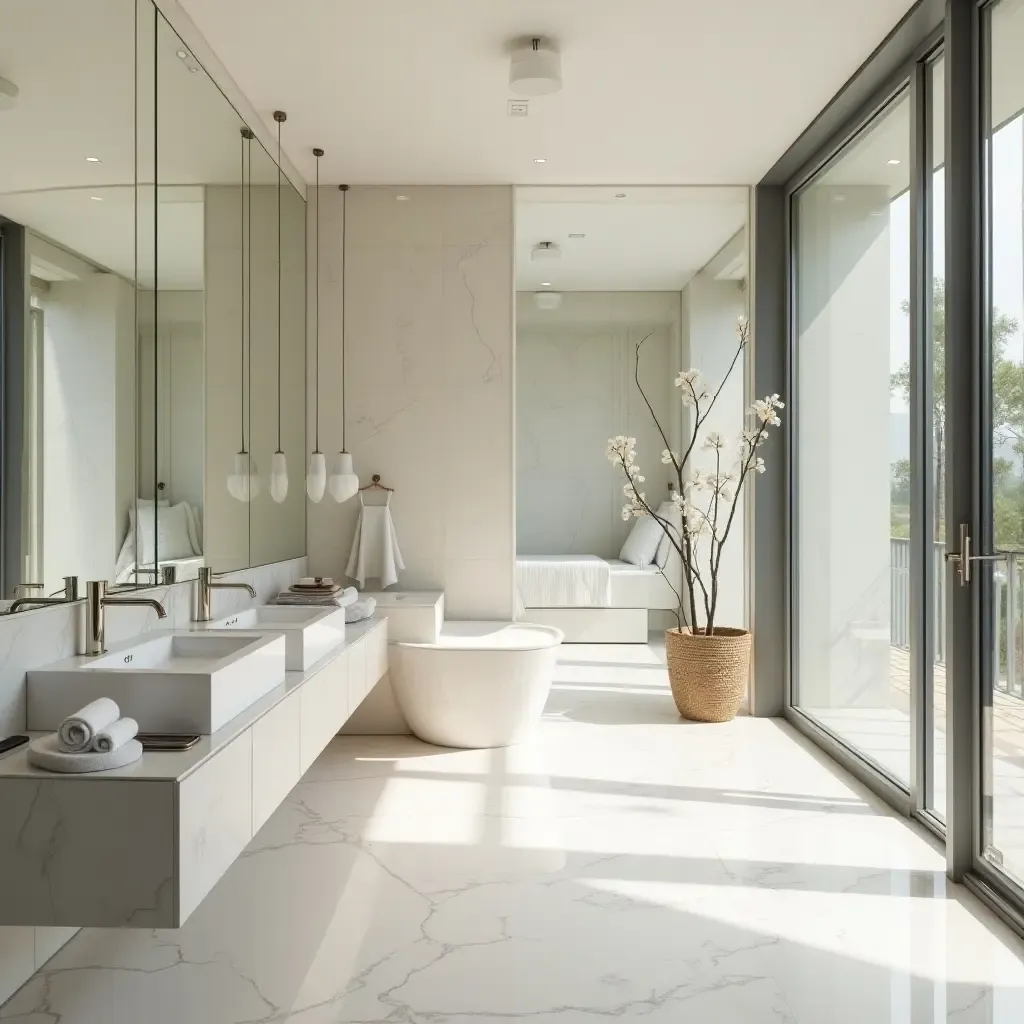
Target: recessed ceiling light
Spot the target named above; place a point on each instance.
(540, 159)
(96, 199)
(402, 199)
(620, 195)
(182, 55)
(195, 71)
(577, 234)
(893, 162)
(92, 160)
(545, 284)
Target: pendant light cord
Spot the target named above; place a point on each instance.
(316, 304)
(279, 116)
(248, 297)
(344, 308)
(241, 295)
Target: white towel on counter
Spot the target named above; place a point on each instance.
(45, 752)
(375, 553)
(361, 610)
(77, 731)
(117, 734)
(342, 599)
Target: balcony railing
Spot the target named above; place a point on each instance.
(1008, 611)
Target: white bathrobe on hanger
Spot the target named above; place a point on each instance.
(375, 553)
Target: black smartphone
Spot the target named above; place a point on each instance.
(166, 741)
(11, 742)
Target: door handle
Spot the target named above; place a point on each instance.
(962, 559)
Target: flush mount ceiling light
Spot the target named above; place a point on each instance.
(540, 159)
(96, 199)
(547, 300)
(8, 94)
(536, 67)
(577, 234)
(402, 199)
(894, 162)
(182, 55)
(93, 160)
(545, 251)
(545, 284)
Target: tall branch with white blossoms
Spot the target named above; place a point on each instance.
(722, 487)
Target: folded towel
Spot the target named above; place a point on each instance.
(77, 731)
(360, 610)
(342, 599)
(45, 752)
(117, 734)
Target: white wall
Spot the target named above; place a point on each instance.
(710, 310)
(82, 322)
(575, 388)
(430, 382)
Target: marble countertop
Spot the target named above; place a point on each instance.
(174, 766)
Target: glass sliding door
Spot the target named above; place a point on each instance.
(1002, 470)
(852, 459)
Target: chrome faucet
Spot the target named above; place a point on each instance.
(204, 602)
(166, 574)
(69, 593)
(95, 613)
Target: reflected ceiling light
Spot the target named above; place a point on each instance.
(316, 475)
(92, 160)
(343, 482)
(402, 199)
(278, 461)
(96, 199)
(543, 251)
(536, 68)
(545, 284)
(540, 160)
(893, 162)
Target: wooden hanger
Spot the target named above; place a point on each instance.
(376, 484)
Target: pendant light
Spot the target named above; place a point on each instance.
(316, 477)
(278, 463)
(242, 486)
(343, 482)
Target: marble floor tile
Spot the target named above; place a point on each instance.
(623, 866)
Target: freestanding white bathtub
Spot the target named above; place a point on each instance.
(480, 684)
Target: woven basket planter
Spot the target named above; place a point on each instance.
(708, 674)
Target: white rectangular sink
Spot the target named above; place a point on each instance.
(179, 682)
(310, 633)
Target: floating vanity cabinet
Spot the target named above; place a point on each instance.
(142, 846)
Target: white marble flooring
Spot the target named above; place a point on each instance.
(624, 865)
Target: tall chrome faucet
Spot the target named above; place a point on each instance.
(204, 595)
(69, 593)
(95, 613)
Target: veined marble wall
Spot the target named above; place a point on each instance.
(37, 637)
(430, 342)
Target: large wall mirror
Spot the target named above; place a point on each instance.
(153, 308)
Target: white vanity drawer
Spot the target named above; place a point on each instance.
(275, 758)
(324, 707)
(376, 654)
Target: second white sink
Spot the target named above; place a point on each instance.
(310, 633)
(178, 682)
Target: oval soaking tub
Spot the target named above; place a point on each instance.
(480, 684)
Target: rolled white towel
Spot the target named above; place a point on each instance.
(117, 734)
(77, 731)
(360, 609)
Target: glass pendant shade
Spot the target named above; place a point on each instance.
(279, 477)
(243, 480)
(343, 482)
(316, 477)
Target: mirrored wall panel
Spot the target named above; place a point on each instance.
(153, 308)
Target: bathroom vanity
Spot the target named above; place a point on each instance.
(141, 846)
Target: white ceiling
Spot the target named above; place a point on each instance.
(653, 239)
(655, 91)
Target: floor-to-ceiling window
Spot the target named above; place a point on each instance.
(853, 443)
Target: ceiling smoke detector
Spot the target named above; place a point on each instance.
(547, 300)
(536, 68)
(545, 251)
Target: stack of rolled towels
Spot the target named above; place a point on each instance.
(97, 728)
(93, 739)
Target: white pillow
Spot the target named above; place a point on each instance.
(172, 526)
(641, 545)
(673, 517)
(193, 529)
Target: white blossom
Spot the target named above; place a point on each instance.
(714, 442)
(764, 410)
(669, 457)
(759, 465)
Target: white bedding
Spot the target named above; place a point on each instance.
(563, 581)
